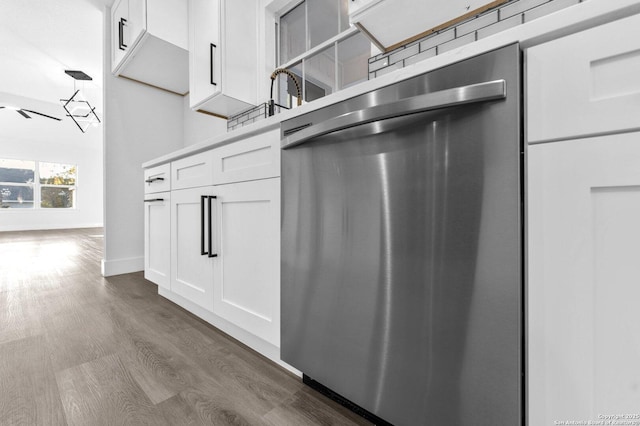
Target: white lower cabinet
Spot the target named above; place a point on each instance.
(157, 238)
(224, 240)
(584, 279)
(247, 283)
(192, 270)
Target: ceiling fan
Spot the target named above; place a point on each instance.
(23, 112)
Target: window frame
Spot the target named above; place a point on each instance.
(37, 189)
(307, 54)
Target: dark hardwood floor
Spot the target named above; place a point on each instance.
(80, 349)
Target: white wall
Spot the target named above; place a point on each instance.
(199, 127)
(48, 140)
(140, 123)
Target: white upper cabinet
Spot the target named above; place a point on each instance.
(149, 41)
(223, 55)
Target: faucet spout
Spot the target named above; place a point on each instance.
(277, 72)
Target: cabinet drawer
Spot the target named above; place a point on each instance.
(193, 171)
(157, 179)
(586, 83)
(257, 157)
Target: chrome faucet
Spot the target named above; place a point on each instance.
(272, 103)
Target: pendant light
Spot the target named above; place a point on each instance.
(77, 107)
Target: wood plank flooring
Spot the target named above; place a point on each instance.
(80, 349)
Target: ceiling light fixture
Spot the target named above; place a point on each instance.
(78, 108)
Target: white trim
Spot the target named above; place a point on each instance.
(45, 227)
(306, 55)
(122, 266)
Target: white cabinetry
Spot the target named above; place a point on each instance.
(224, 222)
(247, 288)
(192, 269)
(585, 84)
(156, 225)
(223, 55)
(583, 229)
(149, 41)
(157, 238)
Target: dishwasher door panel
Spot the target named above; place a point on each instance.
(402, 265)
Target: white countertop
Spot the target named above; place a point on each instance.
(567, 21)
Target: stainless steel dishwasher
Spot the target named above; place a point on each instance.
(402, 247)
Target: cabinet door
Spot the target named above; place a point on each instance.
(157, 238)
(119, 16)
(583, 278)
(128, 22)
(247, 291)
(204, 52)
(191, 270)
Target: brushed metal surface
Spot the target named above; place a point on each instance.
(456, 96)
(402, 254)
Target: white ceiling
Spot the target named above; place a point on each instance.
(39, 39)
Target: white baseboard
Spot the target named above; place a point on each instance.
(122, 266)
(46, 227)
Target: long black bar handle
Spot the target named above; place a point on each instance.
(121, 44)
(153, 199)
(211, 253)
(202, 251)
(211, 55)
(150, 180)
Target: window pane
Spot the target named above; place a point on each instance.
(17, 171)
(57, 174)
(292, 34)
(353, 57)
(287, 89)
(320, 74)
(57, 198)
(323, 16)
(16, 197)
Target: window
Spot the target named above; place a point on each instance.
(35, 184)
(317, 44)
(57, 185)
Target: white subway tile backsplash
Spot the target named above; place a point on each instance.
(381, 63)
(404, 53)
(390, 68)
(477, 23)
(420, 56)
(500, 26)
(515, 8)
(548, 8)
(460, 41)
(437, 39)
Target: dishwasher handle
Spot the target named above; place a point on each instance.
(480, 92)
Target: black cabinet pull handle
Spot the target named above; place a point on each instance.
(202, 251)
(150, 180)
(121, 44)
(211, 47)
(153, 199)
(211, 253)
